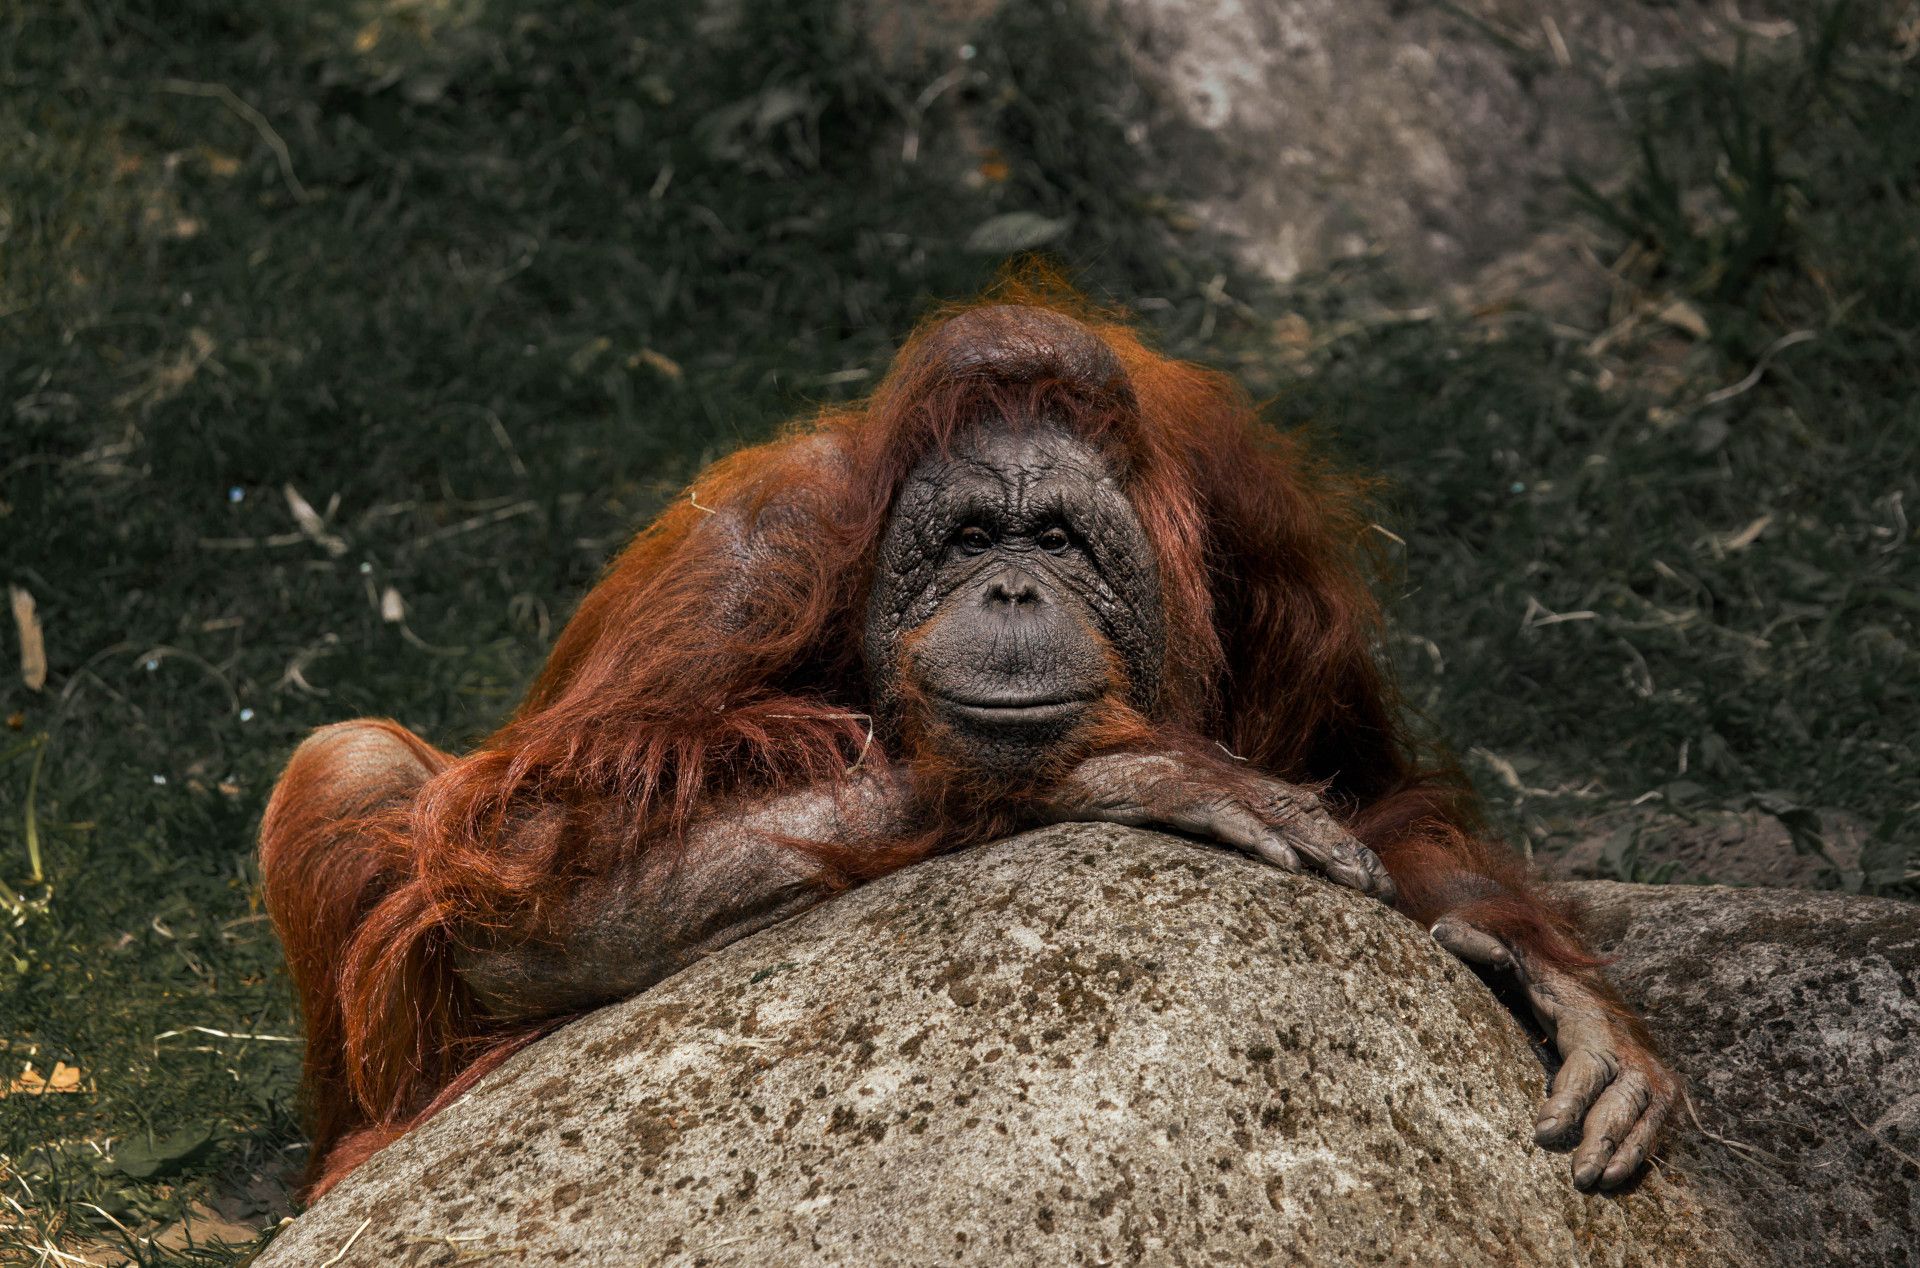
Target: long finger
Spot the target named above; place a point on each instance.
(1347, 862)
(1607, 1126)
(1332, 850)
(1472, 945)
(1581, 1080)
(1236, 827)
(1280, 854)
(1639, 1142)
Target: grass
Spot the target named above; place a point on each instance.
(344, 342)
(1674, 560)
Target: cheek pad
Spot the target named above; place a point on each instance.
(905, 595)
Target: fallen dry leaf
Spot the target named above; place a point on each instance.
(311, 523)
(219, 164)
(1746, 536)
(65, 1078)
(660, 362)
(167, 379)
(33, 647)
(1685, 317)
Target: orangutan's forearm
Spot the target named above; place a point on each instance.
(734, 874)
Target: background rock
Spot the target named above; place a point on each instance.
(1796, 1017)
(1082, 1045)
(1310, 131)
(1731, 847)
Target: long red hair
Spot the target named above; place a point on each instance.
(675, 685)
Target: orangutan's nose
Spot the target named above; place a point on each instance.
(1013, 589)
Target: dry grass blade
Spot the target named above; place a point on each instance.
(1882, 1141)
(1759, 370)
(33, 645)
(346, 1246)
(312, 524)
(35, 867)
(233, 102)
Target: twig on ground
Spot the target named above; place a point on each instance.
(226, 95)
(1759, 368)
(476, 522)
(1882, 1141)
(223, 1034)
(1693, 1112)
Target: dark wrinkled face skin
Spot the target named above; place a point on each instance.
(1014, 579)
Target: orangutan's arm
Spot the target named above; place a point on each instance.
(735, 873)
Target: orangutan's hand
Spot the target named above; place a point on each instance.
(1280, 822)
(1611, 1090)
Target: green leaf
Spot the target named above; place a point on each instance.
(1884, 862)
(777, 105)
(1899, 598)
(1614, 853)
(1684, 792)
(145, 1158)
(1015, 231)
(629, 125)
(1801, 822)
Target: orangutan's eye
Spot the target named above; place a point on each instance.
(1054, 540)
(975, 540)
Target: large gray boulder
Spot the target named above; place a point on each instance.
(1304, 132)
(1082, 1045)
(1796, 1017)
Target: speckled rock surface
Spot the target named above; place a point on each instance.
(1304, 132)
(1084, 1045)
(1796, 1017)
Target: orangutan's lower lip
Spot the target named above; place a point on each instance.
(1015, 711)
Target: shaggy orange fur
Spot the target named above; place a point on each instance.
(670, 690)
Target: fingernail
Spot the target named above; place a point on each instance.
(1614, 1175)
(1548, 1126)
(1584, 1177)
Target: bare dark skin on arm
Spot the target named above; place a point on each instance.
(1074, 583)
(660, 911)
